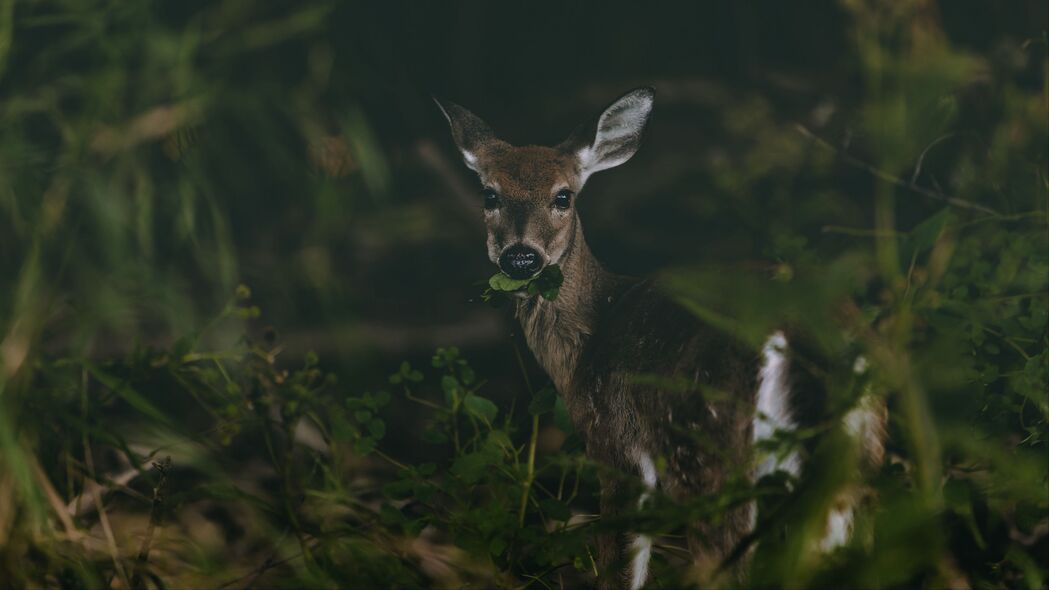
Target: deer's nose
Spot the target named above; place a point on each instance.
(520, 262)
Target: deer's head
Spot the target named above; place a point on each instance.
(529, 192)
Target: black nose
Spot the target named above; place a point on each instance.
(520, 262)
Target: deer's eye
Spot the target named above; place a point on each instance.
(491, 199)
(563, 199)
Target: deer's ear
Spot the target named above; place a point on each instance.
(616, 134)
(468, 130)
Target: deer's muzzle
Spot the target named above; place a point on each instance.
(520, 261)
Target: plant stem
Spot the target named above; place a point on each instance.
(895, 180)
(530, 477)
(103, 518)
(531, 471)
(137, 580)
(390, 460)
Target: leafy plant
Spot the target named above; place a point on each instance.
(881, 189)
(546, 284)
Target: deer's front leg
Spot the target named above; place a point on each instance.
(611, 544)
(623, 559)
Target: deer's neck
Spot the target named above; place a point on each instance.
(558, 331)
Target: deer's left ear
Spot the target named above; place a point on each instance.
(615, 136)
(468, 130)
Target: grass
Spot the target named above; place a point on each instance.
(157, 430)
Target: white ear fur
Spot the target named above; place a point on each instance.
(470, 159)
(618, 132)
(468, 130)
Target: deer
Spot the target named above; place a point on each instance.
(603, 329)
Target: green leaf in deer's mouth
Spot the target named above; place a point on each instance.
(545, 284)
(500, 282)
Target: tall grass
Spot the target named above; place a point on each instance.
(152, 433)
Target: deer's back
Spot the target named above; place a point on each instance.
(654, 379)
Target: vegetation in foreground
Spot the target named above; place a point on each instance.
(148, 155)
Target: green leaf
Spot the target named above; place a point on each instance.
(380, 399)
(481, 407)
(377, 428)
(398, 490)
(132, 397)
(414, 527)
(434, 437)
(247, 313)
(424, 491)
(182, 347)
(561, 418)
(555, 509)
(544, 401)
(450, 386)
(468, 375)
(501, 282)
(497, 546)
(925, 234)
(341, 429)
(471, 467)
(390, 515)
(547, 283)
(365, 445)
(501, 439)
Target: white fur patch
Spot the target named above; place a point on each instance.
(863, 421)
(641, 547)
(470, 159)
(773, 405)
(839, 529)
(860, 365)
(648, 470)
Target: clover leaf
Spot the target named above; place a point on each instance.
(546, 284)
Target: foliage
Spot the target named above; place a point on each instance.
(882, 191)
(477, 500)
(546, 284)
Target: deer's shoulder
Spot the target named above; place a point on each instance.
(642, 331)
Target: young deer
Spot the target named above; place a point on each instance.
(603, 329)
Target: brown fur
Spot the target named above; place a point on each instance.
(527, 180)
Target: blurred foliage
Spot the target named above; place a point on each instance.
(873, 174)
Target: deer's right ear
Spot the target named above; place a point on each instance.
(468, 130)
